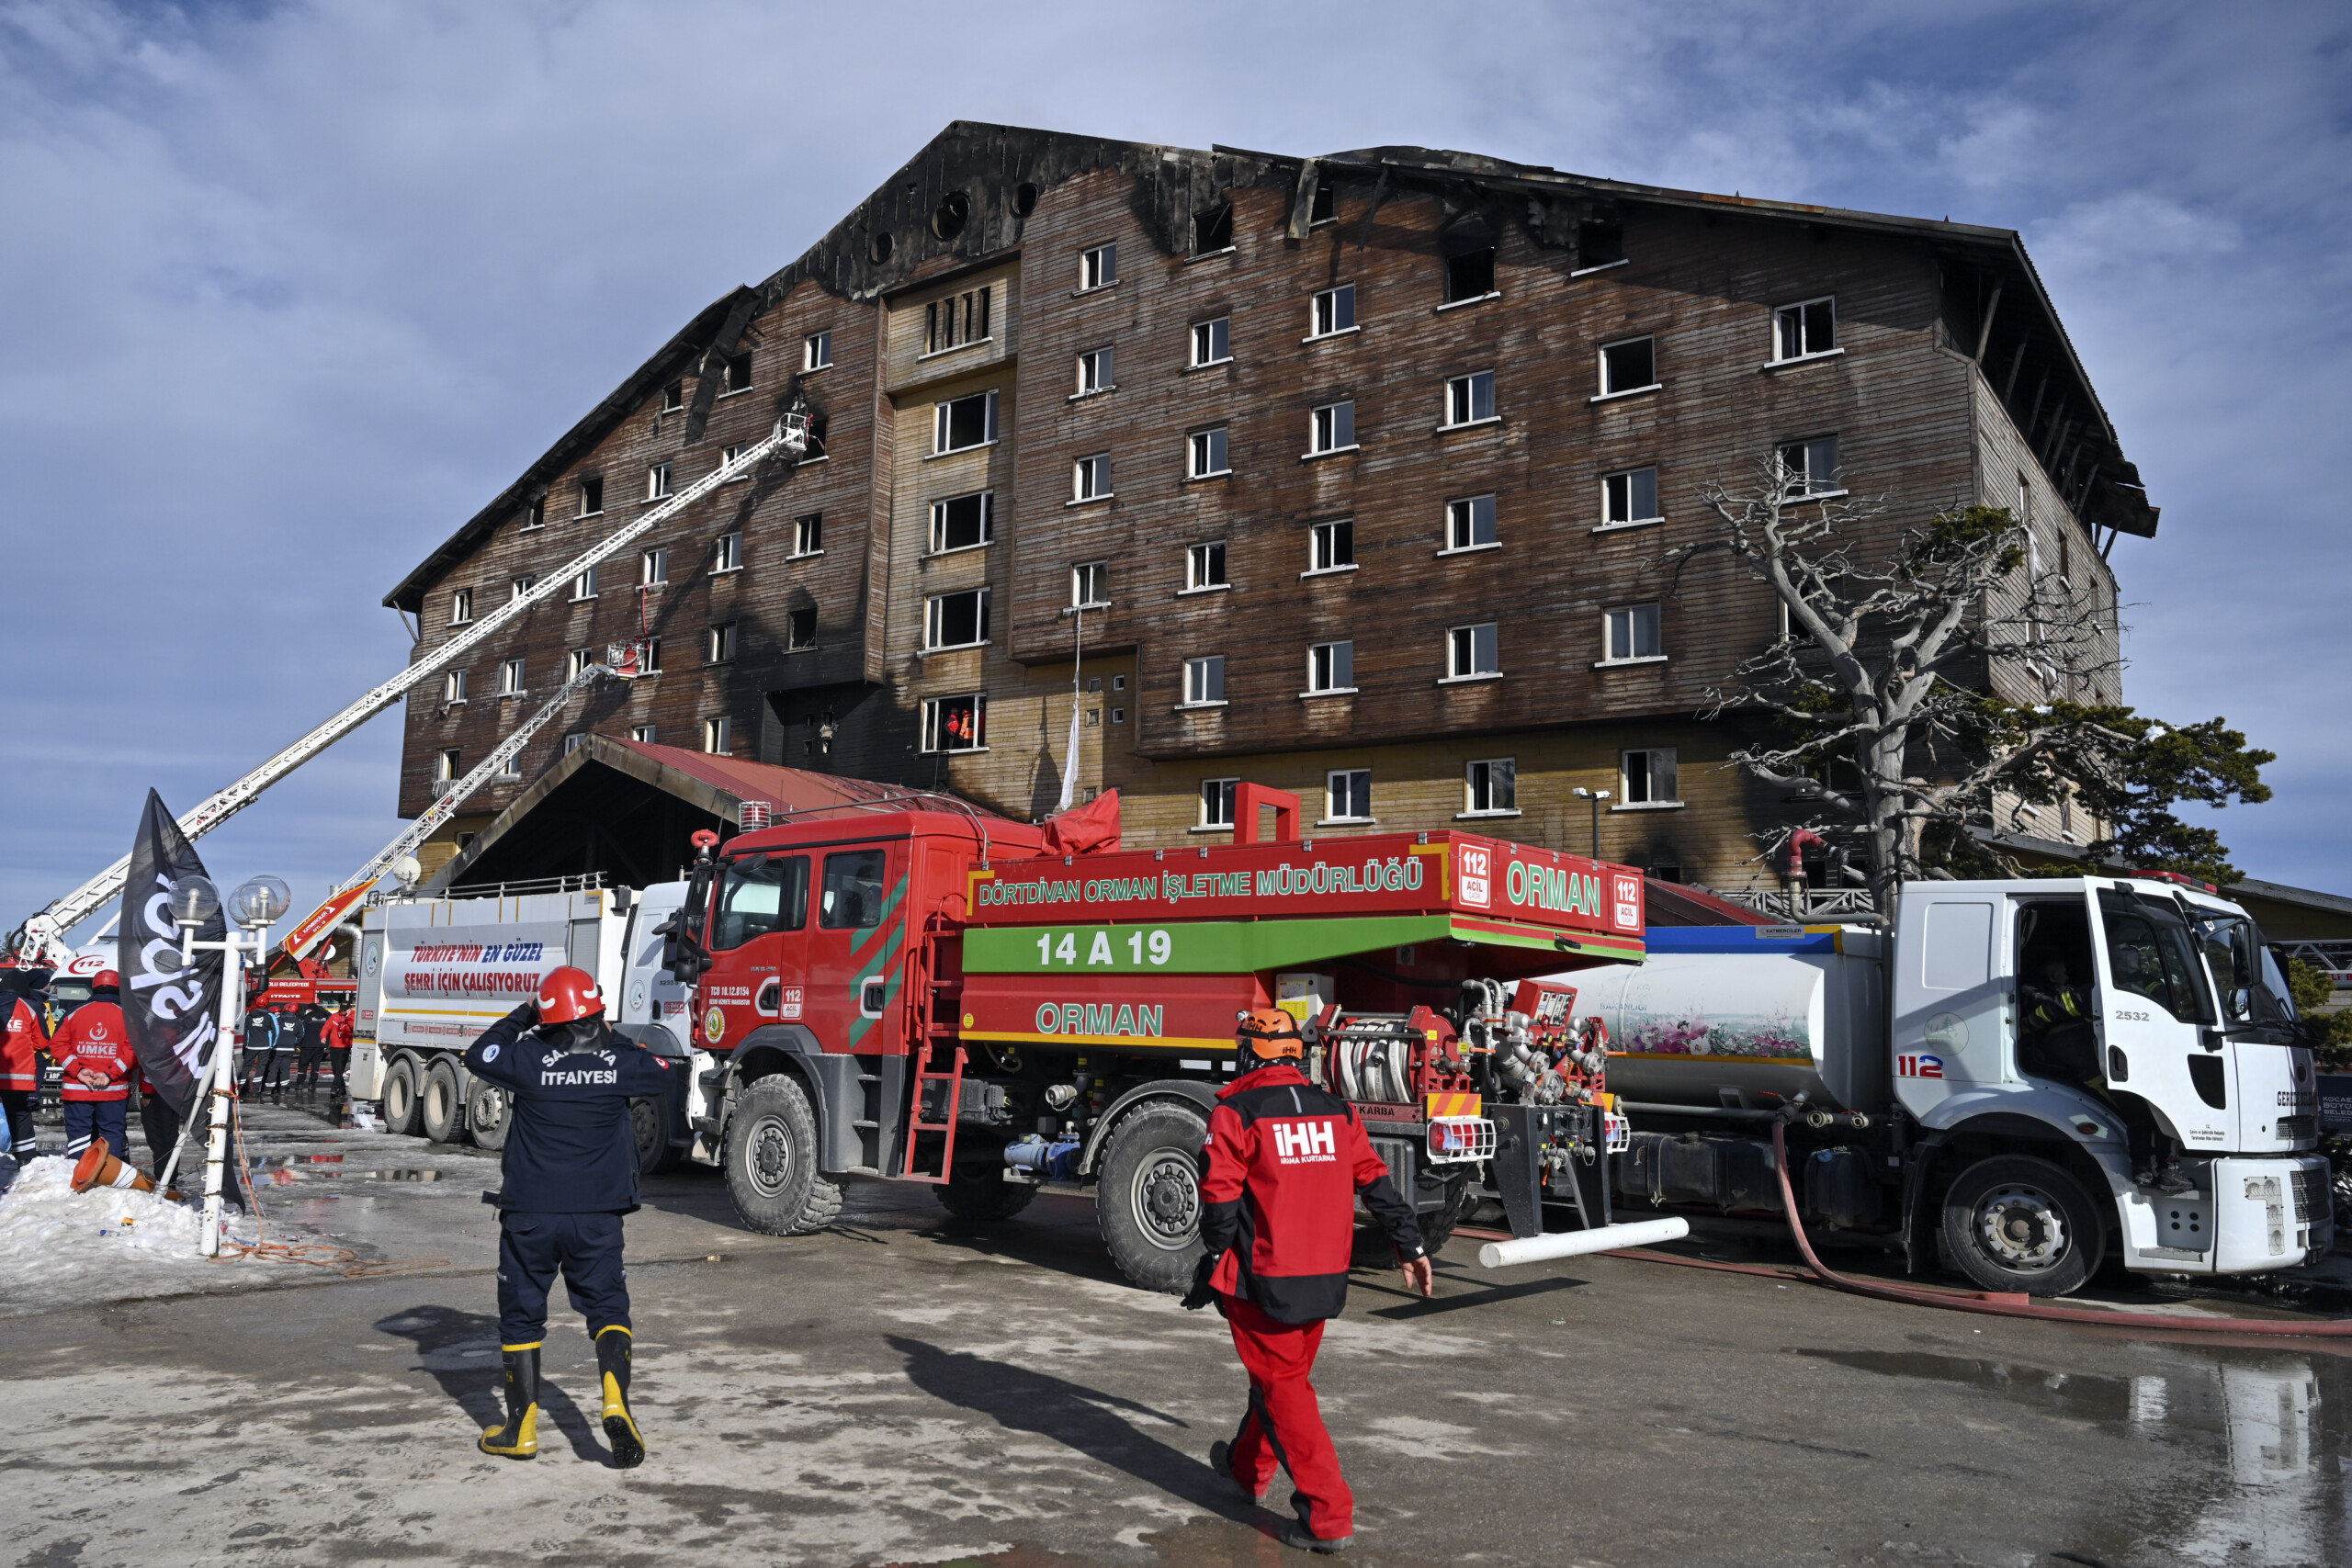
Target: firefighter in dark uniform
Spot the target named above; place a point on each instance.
(1286, 1161)
(570, 1174)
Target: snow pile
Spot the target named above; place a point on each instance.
(55, 1243)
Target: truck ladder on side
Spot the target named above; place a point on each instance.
(923, 1078)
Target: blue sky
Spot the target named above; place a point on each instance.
(292, 289)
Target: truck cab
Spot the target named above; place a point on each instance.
(2060, 1013)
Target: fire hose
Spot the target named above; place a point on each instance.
(1989, 1304)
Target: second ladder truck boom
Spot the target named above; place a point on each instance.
(45, 932)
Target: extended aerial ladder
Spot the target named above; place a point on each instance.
(44, 935)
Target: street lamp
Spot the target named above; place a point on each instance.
(256, 906)
(1596, 797)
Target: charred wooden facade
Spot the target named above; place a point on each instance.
(1388, 546)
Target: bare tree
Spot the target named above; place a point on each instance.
(1953, 680)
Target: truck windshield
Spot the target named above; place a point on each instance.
(2246, 977)
(759, 896)
(2149, 953)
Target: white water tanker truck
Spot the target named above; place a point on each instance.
(1968, 1081)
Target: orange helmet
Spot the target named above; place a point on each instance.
(567, 993)
(1269, 1033)
(105, 981)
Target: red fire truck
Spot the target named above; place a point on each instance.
(927, 996)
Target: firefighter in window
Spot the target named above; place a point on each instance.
(1286, 1161)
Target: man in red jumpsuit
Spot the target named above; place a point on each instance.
(22, 1035)
(91, 1048)
(1286, 1161)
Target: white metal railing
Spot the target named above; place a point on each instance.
(1812, 904)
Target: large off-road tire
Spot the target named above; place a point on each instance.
(1147, 1195)
(649, 1121)
(400, 1113)
(772, 1161)
(1437, 1224)
(2013, 1223)
(490, 1112)
(975, 1195)
(441, 1104)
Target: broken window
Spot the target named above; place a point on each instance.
(816, 351)
(1204, 565)
(1326, 203)
(717, 736)
(642, 734)
(1333, 428)
(673, 398)
(963, 522)
(737, 374)
(1628, 366)
(1094, 372)
(1090, 585)
(1492, 786)
(1470, 523)
(955, 321)
(731, 451)
(1213, 229)
(1348, 797)
(1098, 268)
(581, 659)
(1090, 478)
(1629, 496)
(1331, 667)
(955, 723)
(1810, 466)
(954, 211)
(963, 422)
(808, 535)
(1807, 329)
(521, 586)
(800, 629)
(453, 688)
(1333, 310)
(1218, 800)
(461, 606)
(1630, 631)
(591, 494)
(727, 554)
(1212, 341)
(956, 620)
(1650, 777)
(1331, 546)
(650, 664)
(657, 481)
(1472, 651)
(444, 767)
(1469, 398)
(1205, 454)
(1204, 680)
(1598, 244)
(1469, 274)
(718, 643)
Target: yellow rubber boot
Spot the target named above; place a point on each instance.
(519, 1438)
(613, 1346)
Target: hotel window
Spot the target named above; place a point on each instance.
(1628, 366)
(657, 481)
(651, 662)
(963, 522)
(955, 723)
(1492, 786)
(592, 495)
(1470, 523)
(585, 585)
(1649, 778)
(1218, 800)
(1090, 586)
(1205, 454)
(1629, 496)
(1469, 274)
(653, 567)
(1470, 398)
(453, 688)
(1094, 372)
(510, 678)
(1799, 330)
(581, 659)
(1348, 796)
(1333, 429)
(1332, 310)
(521, 586)
(461, 606)
(1213, 229)
(717, 735)
(1098, 268)
(1472, 651)
(535, 515)
(800, 629)
(444, 767)
(963, 422)
(718, 643)
(1810, 467)
(1212, 341)
(673, 398)
(642, 734)
(1331, 667)
(1204, 565)
(1331, 546)
(1089, 478)
(727, 554)
(816, 351)
(1630, 631)
(1204, 680)
(808, 535)
(955, 321)
(956, 620)
(737, 374)
(572, 743)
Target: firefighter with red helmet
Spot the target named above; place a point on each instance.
(1286, 1161)
(570, 1174)
(92, 1049)
(23, 1034)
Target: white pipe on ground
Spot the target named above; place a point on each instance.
(1576, 1244)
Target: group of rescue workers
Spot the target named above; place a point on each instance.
(99, 1072)
(1286, 1163)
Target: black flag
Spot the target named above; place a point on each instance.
(173, 1013)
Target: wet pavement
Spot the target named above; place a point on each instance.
(897, 1390)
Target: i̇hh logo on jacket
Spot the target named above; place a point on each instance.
(1304, 1143)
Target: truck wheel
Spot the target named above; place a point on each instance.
(974, 1195)
(1147, 1197)
(488, 1113)
(440, 1105)
(2014, 1223)
(772, 1161)
(648, 1119)
(1437, 1224)
(401, 1097)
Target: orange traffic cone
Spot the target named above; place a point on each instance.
(98, 1168)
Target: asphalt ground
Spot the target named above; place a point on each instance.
(900, 1389)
